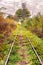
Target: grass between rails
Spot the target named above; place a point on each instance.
(16, 58)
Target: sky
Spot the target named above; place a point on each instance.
(10, 6)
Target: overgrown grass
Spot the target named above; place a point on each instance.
(14, 57)
(37, 42)
(4, 49)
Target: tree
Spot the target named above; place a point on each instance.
(39, 24)
(36, 23)
(22, 13)
(27, 23)
(26, 12)
(41, 20)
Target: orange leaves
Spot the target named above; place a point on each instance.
(1, 19)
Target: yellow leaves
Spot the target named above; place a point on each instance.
(9, 20)
(1, 56)
(1, 19)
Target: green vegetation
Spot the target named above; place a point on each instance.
(37, 42)
(6, 38)
(28, 28)
(4, 49)
(35, 25)
(23, 13)
(14, 57)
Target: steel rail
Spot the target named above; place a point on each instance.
(35, 51)
(6, 62)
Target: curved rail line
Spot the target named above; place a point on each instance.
(6, 62)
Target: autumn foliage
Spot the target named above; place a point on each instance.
(6, 27)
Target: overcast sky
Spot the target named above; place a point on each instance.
(11, 6)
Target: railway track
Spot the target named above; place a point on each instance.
(35, 51)
(23, 51)
(6, 62)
